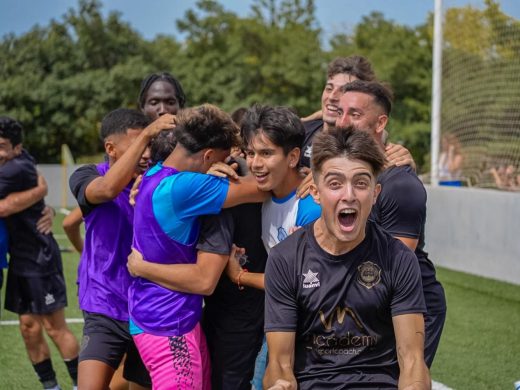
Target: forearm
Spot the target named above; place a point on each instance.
(276, 371)
(252, 279)
(120, 173)
(74, 236)
(414, 375)
(186, 278)
(19, 201)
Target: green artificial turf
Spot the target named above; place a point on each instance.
(480, 346)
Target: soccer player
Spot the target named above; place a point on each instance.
(341, 71)
(172, 196)
(344, 303)
(401, 207)
(35, 285)
(102, 193)
(14, 203)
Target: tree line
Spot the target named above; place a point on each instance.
(59, 80)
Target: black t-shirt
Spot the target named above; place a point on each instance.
(311, 129)
(31, 253)
(228, 307)
(341, 307)
(78, 183)
(401, 210)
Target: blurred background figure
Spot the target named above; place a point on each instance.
(507, 177)
(450, 161)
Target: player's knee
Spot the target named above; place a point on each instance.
(30, 329)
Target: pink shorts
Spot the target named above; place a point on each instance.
(176, 362)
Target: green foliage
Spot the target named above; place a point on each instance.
(60, 80)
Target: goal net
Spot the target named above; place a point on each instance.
(480, 104)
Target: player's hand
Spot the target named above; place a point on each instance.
(398, 155)
(237, 152)
(313, 116)
(44, 224)
(282, 384)
(222, 169)
(233, 267)
(135, 263)
(164, 122)
(293, 229)
(304, 188)
(135, 190)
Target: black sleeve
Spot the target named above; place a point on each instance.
(402, 206)
(216, 233)
(17, 175)
(408, 295)
(78, 183)
(281, 307)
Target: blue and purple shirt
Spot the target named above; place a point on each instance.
(166, 231)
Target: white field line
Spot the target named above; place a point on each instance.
(439, 386)
(68, 320)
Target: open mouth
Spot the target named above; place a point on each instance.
(347, 219)
(332, 109)
(260, 177)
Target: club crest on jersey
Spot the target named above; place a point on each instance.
(311, 279)
(369, 274)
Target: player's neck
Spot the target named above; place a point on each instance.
(290, 183)
(181, 160)
(330, 243)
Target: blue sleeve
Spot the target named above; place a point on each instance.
(308, 211)
(193, 194)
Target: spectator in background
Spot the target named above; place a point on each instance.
(450, 161)
(506, 177)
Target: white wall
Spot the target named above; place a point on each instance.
(475, 231)
(57, 177)
(471, 230)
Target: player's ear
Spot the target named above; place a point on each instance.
(18, 149)
(382, 121)
(294, 157)
(377, 190)
(110, 148)
(313, 190)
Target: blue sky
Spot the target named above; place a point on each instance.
(151, 17)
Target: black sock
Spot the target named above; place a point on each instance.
(72, 368)
(46, 374)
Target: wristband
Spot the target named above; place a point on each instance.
(242, 271)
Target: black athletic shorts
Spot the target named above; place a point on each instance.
(107, 340)
(35, 294)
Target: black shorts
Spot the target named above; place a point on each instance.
(107, 340)
(233, 356)
(35, 294)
